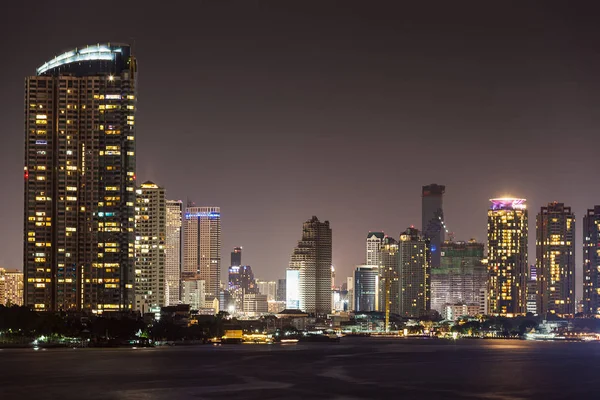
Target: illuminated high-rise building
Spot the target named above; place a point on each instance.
(173, 251)
(241, 282)
(202, 247)
(591, 262)
(555, 261)
(11, 287)
(374, 241)
(80, 181)
(236, 257)
(389, 270)
(292, 288)
(312, 258)
(414, 273)
(366, 288)
(507, 256)
(432, 219)
(150, 230)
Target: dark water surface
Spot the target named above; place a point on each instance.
(360, 368)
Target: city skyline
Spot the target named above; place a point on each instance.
(559, 101)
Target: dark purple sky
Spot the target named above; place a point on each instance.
(277, 111)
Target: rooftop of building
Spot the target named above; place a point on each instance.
(508, 203)
(112, 57)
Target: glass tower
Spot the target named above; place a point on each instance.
(432, 219)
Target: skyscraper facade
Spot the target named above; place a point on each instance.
(173, 251)
(80, 181)
(461, 277)
(268, 288)
(432, 218)
(374, 241)
(281, 286)
(389, 275)
(241, 282)
(591, 262)
(202, 246)
(414, 273)
(11, 287)
(312, 257)
(555, 261)
(150, 227)
(236, 257)
(507, 256)
(366, 288)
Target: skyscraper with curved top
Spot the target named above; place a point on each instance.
(507, 256)
(79, 172)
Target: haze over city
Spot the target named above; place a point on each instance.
(279, 111)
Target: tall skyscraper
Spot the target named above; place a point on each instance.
(150, 227)
(555, 261)
(432, 219)
(173, 251)
(80, 181)
(11, 287)
(236, 257)
(389, 270)
(507, 256)
(461, 277)
(415, 273)
(591, 262)
(374, 241)
(312, 257)
(366, 288)
(202, 246)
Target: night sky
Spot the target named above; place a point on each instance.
(279, 110)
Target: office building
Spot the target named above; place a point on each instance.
(11, 287)
(366, 288)
(507, 257)
(173, 250)
(79, 170)
(591, 262)
(241, 282)
(312, 256)
(202, 246)
(193, 293)
(255, 304)
(389, 270)
(281, 290)
(432, 219)
(150, 231)
(555, 260)
(414, 274)
(268, 288)
(461, 277)
(236, 257)
(292, 288)
(374, 241)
